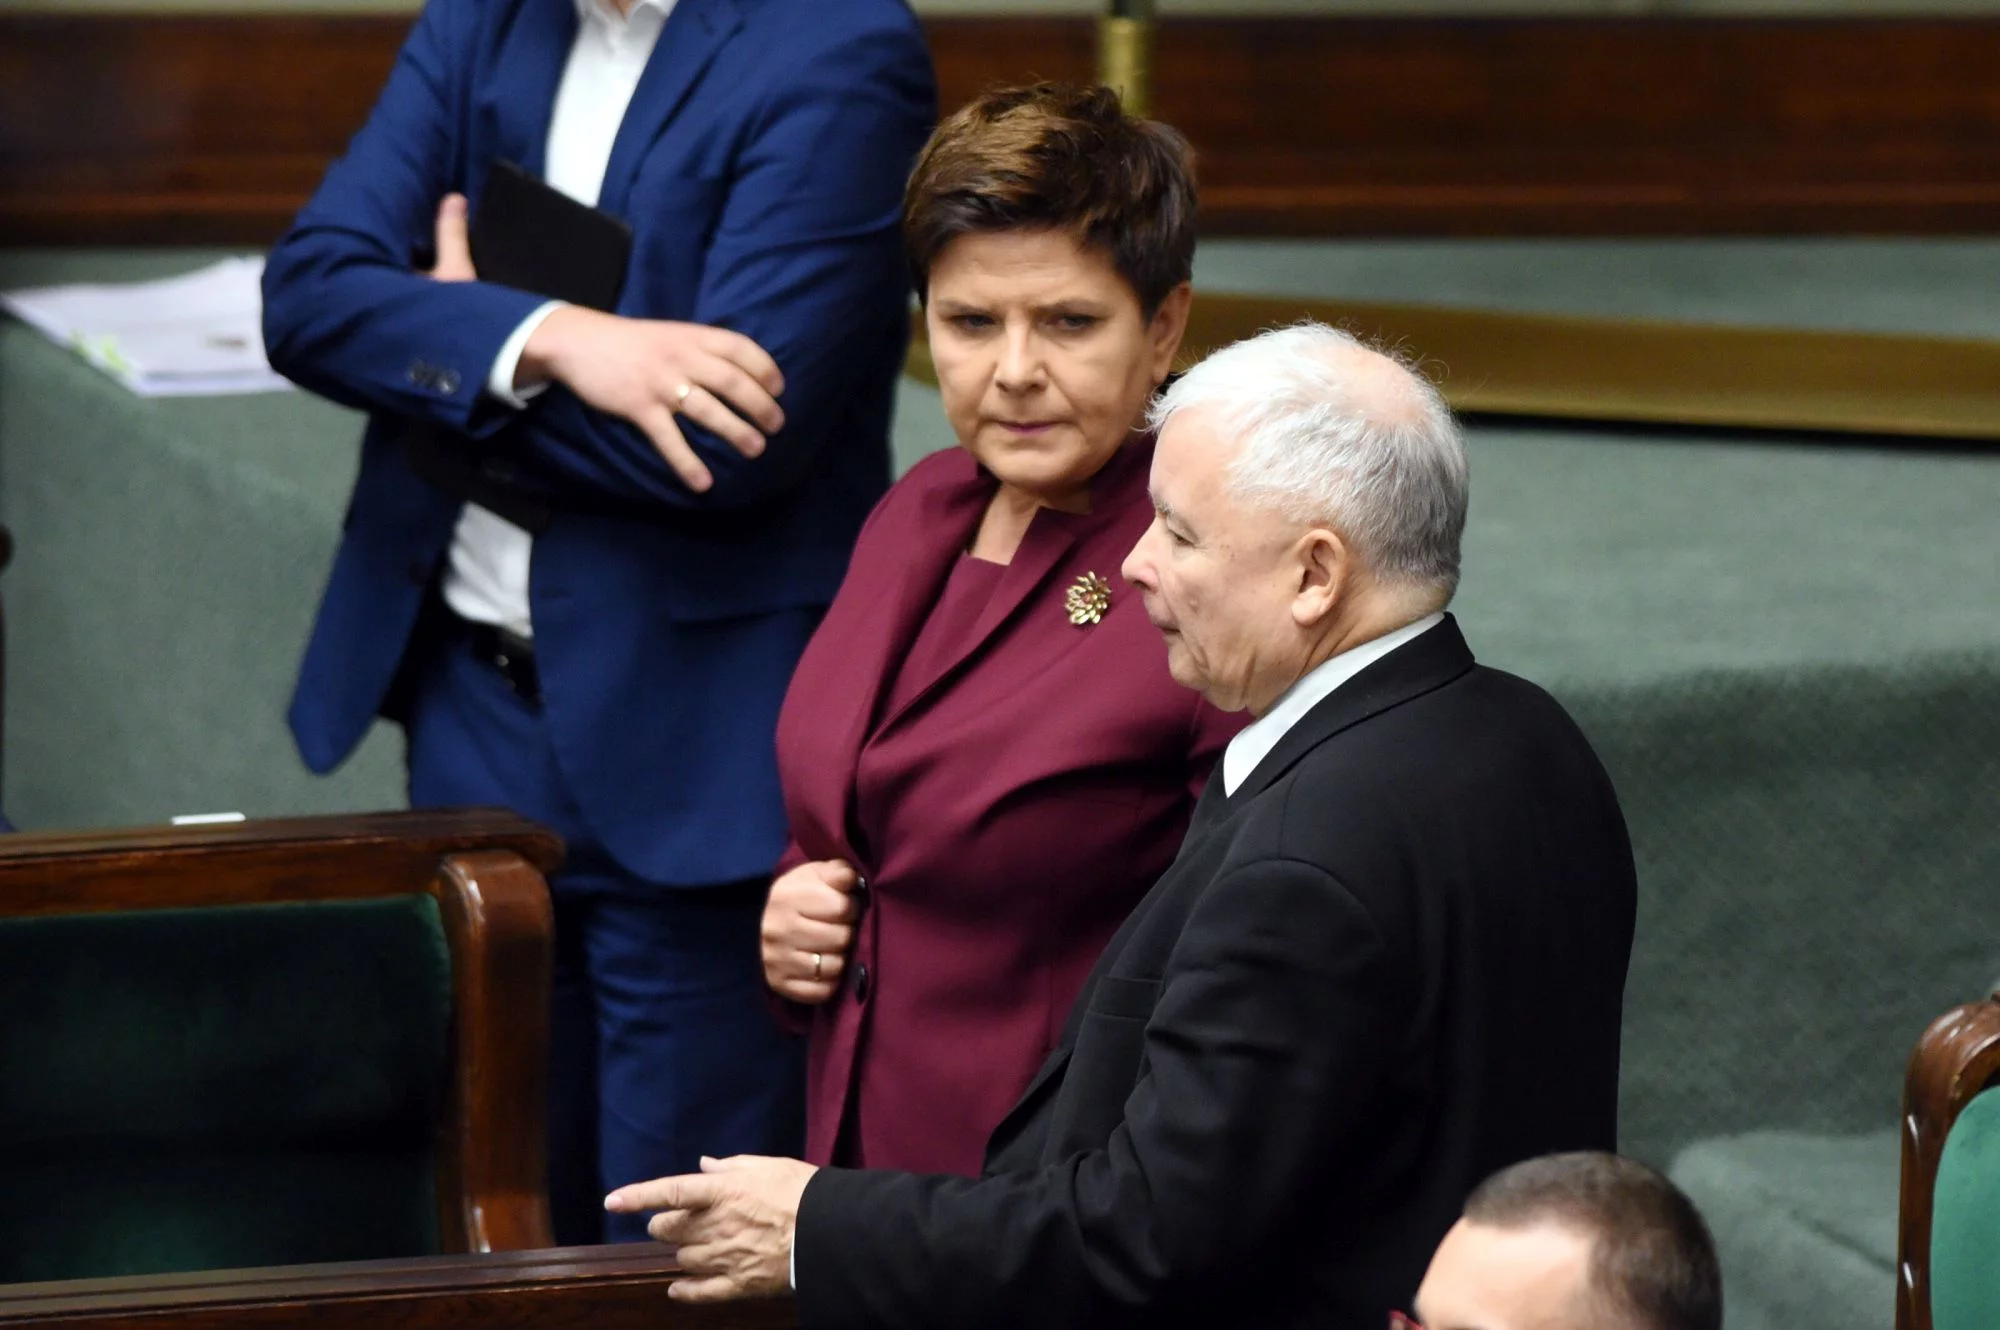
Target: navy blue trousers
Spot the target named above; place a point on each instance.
(661, 1048)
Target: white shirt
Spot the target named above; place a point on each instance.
(1254, 742)
(486, 576)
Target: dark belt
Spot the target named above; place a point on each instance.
(511, 654)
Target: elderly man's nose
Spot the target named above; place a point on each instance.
(1134, 569)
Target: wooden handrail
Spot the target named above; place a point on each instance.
(349, 855)
(1956, 1060)
(575, 1288)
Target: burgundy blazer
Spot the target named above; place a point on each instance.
(1005, 818)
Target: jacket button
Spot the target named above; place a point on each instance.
(447, 382)
(860, 895)
(861, 982)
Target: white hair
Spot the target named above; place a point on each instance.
(1380, 462)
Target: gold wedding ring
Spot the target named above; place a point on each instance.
(818, 961)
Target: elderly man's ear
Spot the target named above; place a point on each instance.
(1327, 574)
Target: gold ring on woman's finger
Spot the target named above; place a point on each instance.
(681, 396)
(818, 961)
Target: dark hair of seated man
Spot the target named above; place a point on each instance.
(1581, 1241)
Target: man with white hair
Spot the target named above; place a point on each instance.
(1389, 959)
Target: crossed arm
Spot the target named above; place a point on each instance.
(803, 258)
(645, 371)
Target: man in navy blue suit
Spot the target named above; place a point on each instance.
(598, 631)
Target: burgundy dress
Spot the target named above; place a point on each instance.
(1007, 782)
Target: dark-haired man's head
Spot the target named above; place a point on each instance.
(1574, 1242)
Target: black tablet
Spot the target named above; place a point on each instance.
(531, 236)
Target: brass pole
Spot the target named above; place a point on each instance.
(1125, 53)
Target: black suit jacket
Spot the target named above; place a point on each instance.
(1391, 963)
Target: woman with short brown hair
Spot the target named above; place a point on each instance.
(985, 761)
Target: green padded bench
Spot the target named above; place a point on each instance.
(1965, 1222)
(271, 1043)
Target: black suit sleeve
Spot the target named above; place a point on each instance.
(1260, 1058)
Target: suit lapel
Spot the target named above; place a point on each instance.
(1434, 659)
(877, 633)
(695, 31)
(1030, 1100)
(1050, 536)
(534, 52)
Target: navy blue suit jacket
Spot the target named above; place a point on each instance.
(761, 166)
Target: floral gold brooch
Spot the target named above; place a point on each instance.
(1089, 596)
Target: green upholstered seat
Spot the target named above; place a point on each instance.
(231, 1086)
(1805, 1226)
(1965, 1221)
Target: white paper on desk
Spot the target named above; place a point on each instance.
(199, 334)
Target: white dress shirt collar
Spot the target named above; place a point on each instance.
(608, 12)
(1255, 741)
(599, 21)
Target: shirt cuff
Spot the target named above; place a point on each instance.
(792, 1264)
(500, 382)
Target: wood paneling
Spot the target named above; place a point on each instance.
(1581, 126)
(183, 128)
(176, 129)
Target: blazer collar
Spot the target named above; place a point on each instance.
(1411, 670)
(534, 52)
(1047, 540)
(847, 667)
(875, 632)
(1050, 537)
(695, 31)
(1040, 1085)
(946, 511)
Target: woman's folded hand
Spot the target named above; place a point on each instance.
(808, 929)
